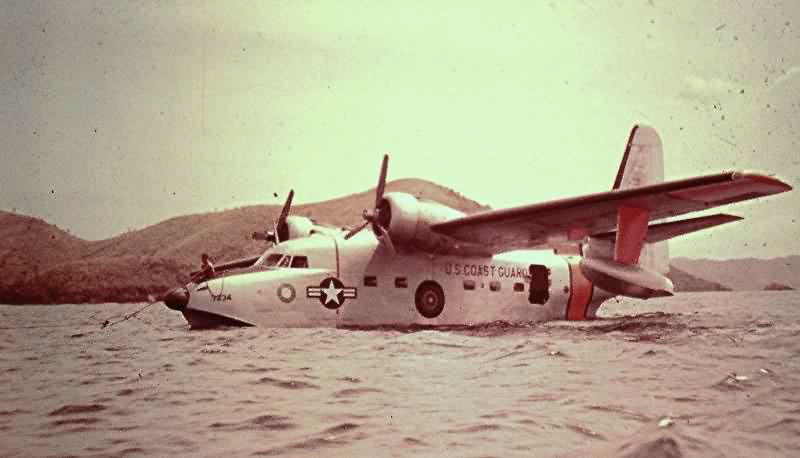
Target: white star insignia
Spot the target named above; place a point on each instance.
(332, 293)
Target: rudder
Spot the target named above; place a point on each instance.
(643, 161)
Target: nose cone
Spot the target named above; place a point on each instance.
(176, 298)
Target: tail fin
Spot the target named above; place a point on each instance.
(643, 161)
(642, 164)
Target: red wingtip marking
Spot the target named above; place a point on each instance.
(763, 179)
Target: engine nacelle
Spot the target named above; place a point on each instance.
(300, 226)
(296, 227)
(408, 220)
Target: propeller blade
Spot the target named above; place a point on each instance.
(387, 241)
(355, 230)
(279, 224)
(381, 180)
(287, 206)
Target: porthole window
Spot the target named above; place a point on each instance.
(519, 287)
(370, 280)
(400, 282)
(469, 285)
(494, 286)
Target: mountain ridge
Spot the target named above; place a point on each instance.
(750, 274)
(44, 264)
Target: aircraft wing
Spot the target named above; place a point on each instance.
(564, 220)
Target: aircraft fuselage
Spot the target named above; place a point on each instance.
(358, 283)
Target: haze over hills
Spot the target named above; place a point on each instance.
(43, 264)
(745, 274)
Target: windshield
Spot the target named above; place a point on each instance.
(300, 262)
(280, 260)
(272, 260)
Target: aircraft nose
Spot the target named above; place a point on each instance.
(176, 298)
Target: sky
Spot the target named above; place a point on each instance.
(117, 115)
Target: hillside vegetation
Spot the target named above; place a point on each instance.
(43, 264)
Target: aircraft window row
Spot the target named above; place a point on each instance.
(399, 282)
(280, 260)
(470, 285)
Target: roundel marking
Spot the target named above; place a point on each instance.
(429, 299)
(332, 293)
(286, 293)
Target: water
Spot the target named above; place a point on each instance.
(719, 372)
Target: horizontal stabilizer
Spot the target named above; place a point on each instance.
(665, 231)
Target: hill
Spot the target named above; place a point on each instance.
(685, 282)
(745, 274)
(778, 287)
(43, 264)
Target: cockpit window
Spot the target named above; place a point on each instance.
(284, 260)
(300, 262)
(272, 260)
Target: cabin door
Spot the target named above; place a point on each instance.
(540, 284)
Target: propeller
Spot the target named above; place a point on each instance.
(380, 209)
(280, 230)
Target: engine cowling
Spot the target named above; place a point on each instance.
(296, 227)
(299, 226)
(408, 220)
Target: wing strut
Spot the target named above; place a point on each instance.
(631, 233)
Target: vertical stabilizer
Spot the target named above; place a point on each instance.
(643, 161)
(642, 164)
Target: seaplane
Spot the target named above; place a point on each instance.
(423, 264)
